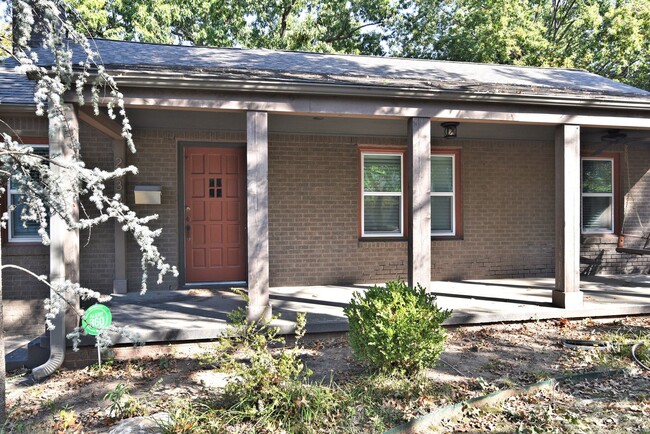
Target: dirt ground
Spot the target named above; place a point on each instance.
(478, 360)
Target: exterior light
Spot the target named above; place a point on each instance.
(450, 130)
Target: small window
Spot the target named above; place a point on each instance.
(598, 201)
(382, 202)
(446, 212)
(20, 231)
(443, 195)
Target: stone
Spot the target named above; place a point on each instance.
(142, 425)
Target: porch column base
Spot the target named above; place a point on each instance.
(259, 313)
(568, 300)
(119, 286)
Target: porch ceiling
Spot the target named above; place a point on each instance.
(328, 125)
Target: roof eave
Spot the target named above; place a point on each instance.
(17, 107)
(174, 80)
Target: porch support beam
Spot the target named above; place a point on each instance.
(587, 114)
(119, 276)
(257, 168)
(64, 243)
(419, 224)
(567, 217)
(101, 122)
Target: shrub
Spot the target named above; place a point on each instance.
(269, 388)
(396, 328)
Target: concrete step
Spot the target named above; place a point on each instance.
(29, 356)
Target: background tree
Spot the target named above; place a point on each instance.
(325, 26)
(49, 185)
(607, 37)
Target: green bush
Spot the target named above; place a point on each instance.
(396, 328)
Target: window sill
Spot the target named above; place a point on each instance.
(598, 238)
(381, 239)
(24, 249)
(446, 237)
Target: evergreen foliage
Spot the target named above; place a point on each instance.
(396, 328)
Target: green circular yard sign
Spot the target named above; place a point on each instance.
(96, 318)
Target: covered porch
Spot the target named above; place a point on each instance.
(201, 313)
(160, 318)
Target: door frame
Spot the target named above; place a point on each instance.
(180, 228)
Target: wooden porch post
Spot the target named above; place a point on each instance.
(64, 244)
(119, 277)
(257, 168)
(419, 224)
(567, 217)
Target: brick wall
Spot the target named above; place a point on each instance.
(508, 207)
(508, 213)
(313, 214)
(156, 162)
(96, 252)
(600, 251)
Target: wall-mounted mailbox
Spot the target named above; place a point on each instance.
(147, 194)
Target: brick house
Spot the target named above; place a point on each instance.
(290, 168)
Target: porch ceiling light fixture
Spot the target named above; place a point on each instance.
(450, 130)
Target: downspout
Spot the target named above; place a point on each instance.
(57, 346)
(64, 243)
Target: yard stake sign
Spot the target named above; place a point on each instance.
(96, 319)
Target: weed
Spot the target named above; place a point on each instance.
(164, 362)
(66, 421)
(106, 367)
(50, 405)
(496, 366)
(122, 405)
(269, 387)
(186, 417)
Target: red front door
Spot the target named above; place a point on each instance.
(215, 214)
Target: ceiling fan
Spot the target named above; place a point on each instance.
(615, 137)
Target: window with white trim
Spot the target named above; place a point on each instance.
(443, 195)
(382, 202)
(597, 195)
(19, 231)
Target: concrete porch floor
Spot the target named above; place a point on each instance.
(199, 314)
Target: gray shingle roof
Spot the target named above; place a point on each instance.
(360, 70)
(385, 72)
(15, 88)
